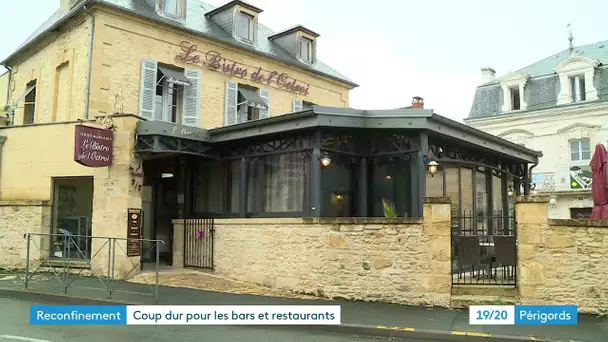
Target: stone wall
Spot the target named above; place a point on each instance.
(403, 260)
(561, 261)
(16, 219)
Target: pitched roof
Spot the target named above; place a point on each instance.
(598, 50)
(197, 23)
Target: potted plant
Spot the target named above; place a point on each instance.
(58, 249)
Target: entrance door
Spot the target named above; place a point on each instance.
(165, 211)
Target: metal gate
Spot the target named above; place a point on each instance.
(198, 243)
(484, 248)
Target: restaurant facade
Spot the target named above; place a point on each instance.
(123, 114)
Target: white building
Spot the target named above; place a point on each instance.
(559, 106)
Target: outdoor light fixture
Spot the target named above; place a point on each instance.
(166, 175)
(325, 161)
(510, 193)
(433, 167)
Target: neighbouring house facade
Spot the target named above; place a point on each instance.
(557, 105)
(178, 109)
(3, 93)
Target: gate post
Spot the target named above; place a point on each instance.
(178, 242)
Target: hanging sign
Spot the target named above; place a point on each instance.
(93, 146)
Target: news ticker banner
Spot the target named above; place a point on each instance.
(523, 314)
(272, 315)
(185, 315)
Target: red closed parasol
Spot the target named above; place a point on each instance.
(598, 185)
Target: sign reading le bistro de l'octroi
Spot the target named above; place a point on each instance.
(213, 60)
(93, 146)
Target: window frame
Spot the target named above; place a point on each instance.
(30, 104)
(251, 27)
(253, 113)
(166, 114)
(579, 150)
(578, 93)
(515, 105)
(310, 44)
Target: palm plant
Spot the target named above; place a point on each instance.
(389, 209)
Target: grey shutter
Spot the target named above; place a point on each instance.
(297, 106)
(147, 89)
(265, 113)
(230, 110)
(192, 99)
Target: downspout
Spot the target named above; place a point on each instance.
(88, 79)
(8, 100)
(527, 185)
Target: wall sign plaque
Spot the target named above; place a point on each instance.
(93, 146)
(213, 60)
(134, 232)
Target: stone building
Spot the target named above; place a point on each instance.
(557, 105)
(178, 109)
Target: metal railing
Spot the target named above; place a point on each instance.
(84, 263)
(484, 248)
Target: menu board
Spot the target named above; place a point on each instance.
(134, 232)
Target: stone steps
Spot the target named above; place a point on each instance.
(464, 301)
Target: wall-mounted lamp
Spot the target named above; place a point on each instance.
(325, 160)
(510, 192)
(166, 175)
(432, 167)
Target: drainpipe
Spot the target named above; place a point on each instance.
(88, 79)
(529, 180)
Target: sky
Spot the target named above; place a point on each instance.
(397, 49)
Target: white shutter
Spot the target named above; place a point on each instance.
(192, 99)
(265, 113)
(297, 106)
(147, 89)
(230, 113)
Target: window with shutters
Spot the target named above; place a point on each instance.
(247, 110)
(169, 99)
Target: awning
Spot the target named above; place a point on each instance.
(174, 76)
(252, 98)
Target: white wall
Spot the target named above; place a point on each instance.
(550, 131)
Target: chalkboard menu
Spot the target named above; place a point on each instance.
(134, 232)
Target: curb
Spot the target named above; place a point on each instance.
(345, 328)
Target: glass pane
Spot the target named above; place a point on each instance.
(392, 182)
(481, 201)
(574, 145)
(304, 49)
(338, 188)
(466, 193)
(497, 221)
(243, 26)
(586, 155)
(451, 180)
(277, 183)
(574, 156)
(171, 7)
(72, 213)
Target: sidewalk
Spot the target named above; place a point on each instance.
(357, 317)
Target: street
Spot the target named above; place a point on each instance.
(14, 326)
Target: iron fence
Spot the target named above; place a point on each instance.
(484, 248)
(60, 263)
(198, 243)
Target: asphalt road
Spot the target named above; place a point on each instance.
(14, 327)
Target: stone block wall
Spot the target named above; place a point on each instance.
(16, 219)
(561, 261)
(404, 260)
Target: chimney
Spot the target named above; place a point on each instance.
(487, 75)
(417, 102)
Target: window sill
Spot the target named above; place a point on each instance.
(245, 41)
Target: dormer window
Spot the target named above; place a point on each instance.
(576, 80)
(174, 9)
(299, 41)
(513, 86)
(244, 26)
(578, 88)
(306, 49)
